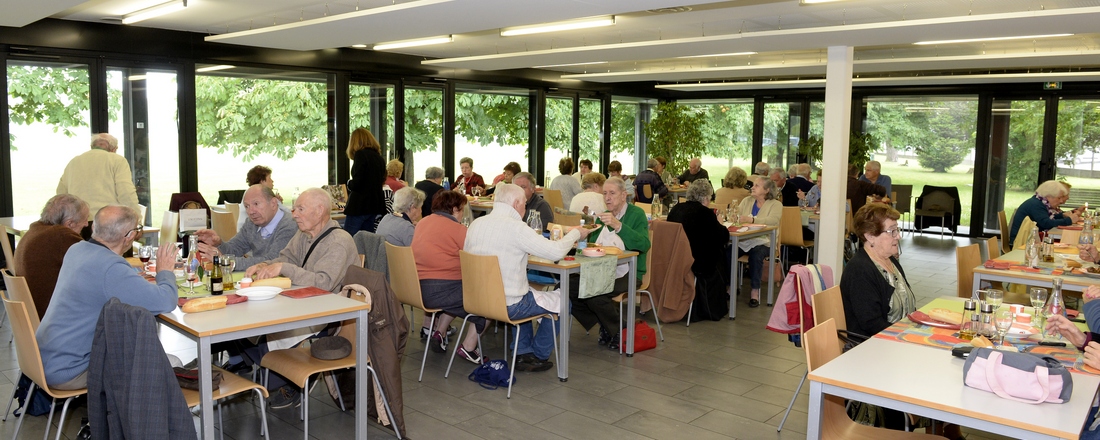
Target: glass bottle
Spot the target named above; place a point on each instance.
(1054, 306)
(1033, 248)
(1047, 251)
(446, 183)
(216, 285)
(193, 264)
(987, 328)
(582, 243)
(534, 220)
(966, 331)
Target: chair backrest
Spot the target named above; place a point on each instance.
(483, 286)
(790, 227)
(19, 290)
(553, 197)
(938, 201)
(169, 228)
(647, 191)
(828, 304)
(966, 259)
(403, 276)
(235, 209)
(647, 207)
(848, 216)
(724, 198)
(648, 266)
(994, 247)
(567, 219)
(1024, 232)
(222, 222)
(9, 252)
(903, 197)
(822, 344)
(26, 346)
(1002, 221)
(1068, 236)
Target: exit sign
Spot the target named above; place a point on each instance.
(1054, 85)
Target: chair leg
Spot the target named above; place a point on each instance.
(455, 351)
(791, 405)
(690, 307)
(305, 410)
(512, 374)
(339, 396)
(653, 306)
(221, 423)
(49, 420)
(12, 399)
(385, 402)
(19, 424)
(431, 329)
(61, 422)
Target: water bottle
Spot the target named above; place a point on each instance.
(446, 183)
(1054, 306)
(582, 243)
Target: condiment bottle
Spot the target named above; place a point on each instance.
(970, 319)
(987, 329)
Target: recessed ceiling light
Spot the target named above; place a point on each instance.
(732, 54)
(557, 27)
(213, 68)
(414, 43)
(359, 46)
(569, 64)
(976, 40)
(154, 11)
(810, 2)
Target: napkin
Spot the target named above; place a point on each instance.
(304, 292)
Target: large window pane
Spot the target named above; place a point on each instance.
(48, 106)
(728, 135)
(250, 118)
(624, 134)
(559, 134)
(492, 128)
(148, 133)
(365, 100)
(1015, 150)
(781, 124)
(590, 133)
(423, 130)
(927, 140)
(1077, 144)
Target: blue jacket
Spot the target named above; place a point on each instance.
(1034, 209)
(655, 183)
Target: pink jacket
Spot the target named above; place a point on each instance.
(785, 318)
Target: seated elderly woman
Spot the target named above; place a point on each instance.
(42, 249)
(394, 168)
(398, 227)
(760, 207)
(592, 197)
(708, 239)
(435, 245)
(875, 291)
(566, 183)
(733, 186)
(1043, 209)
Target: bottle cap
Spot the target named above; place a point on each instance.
(970, 305)
(987, 308)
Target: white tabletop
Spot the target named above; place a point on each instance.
(928, 381)
(261, 314)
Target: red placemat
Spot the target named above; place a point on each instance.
(305, 292)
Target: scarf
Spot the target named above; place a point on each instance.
(1051, 211)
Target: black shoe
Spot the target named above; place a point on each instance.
(605, 336)
(754, 303)
(237, 368)
(530, 363)
(613, 344)
(285, 397)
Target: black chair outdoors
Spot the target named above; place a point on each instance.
(230, 196)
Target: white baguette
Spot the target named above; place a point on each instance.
(946, 315)
(204, 304)
(281, 282)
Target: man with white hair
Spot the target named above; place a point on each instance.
(801, 178)
(532, 200)
(786, 192)
(42, 248)
(318, 256)
(872, 172)
(502, 233)
(100, 177)
(694, 172)
(269, 229)
(432, 183)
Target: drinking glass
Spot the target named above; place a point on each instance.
(994, 298)
(191, 269)
(1085, 239)
(1038, 299)
(477, 191)
(1003, 319)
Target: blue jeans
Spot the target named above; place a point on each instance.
(542, 344)
(756, 263)
(356, 223)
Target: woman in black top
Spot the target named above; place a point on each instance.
(873, 287)
(708, 240)
(366, 203)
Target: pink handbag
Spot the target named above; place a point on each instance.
(1022, 377)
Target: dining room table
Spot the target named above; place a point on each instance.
(1041, 276)
(563, 269)
(909, 367)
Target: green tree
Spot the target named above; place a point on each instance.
(726, 129)
(676, 133)
(57, 96)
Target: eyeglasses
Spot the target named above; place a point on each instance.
(894, 232)
(138, 229)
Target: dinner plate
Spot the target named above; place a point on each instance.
(259, 293)
(1023, 330)
(923, 318)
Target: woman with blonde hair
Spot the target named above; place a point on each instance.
(733, 186)
(394, 168)
(366, 202)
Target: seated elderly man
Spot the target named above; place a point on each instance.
(694, 172)
(504, 234)
(651, 177)
(318, 255)
(94, 272)
(42, 248)
(271, 228)
(625, 227)
(533, 200)
(432, 183)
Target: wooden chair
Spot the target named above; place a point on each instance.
(647, 207)
(231, 385)
(800, 297)
(647, 191)
(567, 219)
(223, 224)
(297, 365)
(1002, 221)
(966, 259)
(19, 290)
(993, 247)
(1069, 236)
(790, 233)
(828, 304)
(406, 287)
(1023, 233)
(553, 197)
(483, 295)
(823, 345)
(9, 251)
(642, 290)
(235, 209)
(30, 363)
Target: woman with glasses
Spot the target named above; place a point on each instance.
(875, 291)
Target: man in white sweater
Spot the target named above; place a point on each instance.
(100, 177)
(504, 234)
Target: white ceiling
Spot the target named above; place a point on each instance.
(791, 39)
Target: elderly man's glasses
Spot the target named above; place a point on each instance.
(138, 229)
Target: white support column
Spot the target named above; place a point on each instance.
(838, 111)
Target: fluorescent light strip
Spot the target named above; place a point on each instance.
(557, 27)
(213, 68)
(733, 54)
(570, 64)
(890, 81)
(978, 40)
(413, 43)
(811, 2)
(154, 11)
(136, 77)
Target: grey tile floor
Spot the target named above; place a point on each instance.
(713, 380)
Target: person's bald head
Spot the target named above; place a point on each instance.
(311, 211)
(260, 204)
(116, 226)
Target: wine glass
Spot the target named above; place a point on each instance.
(994, 298)
(1003, 320)
(191, 269)
(1038, 299)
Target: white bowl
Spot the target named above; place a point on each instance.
(259, 293)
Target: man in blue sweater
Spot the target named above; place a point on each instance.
(92, 273)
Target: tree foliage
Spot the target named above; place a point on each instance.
(726, 129)
(56, 96)
(675, 133)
